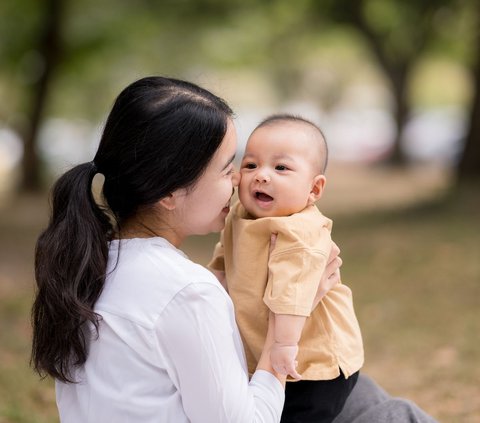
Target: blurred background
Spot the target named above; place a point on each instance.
(395, 86)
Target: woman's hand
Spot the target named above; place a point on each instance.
(331, 275)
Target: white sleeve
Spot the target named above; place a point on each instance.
(197, 335)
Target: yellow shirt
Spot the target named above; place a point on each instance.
(286, 284)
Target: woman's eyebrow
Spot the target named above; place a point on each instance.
(230, 161)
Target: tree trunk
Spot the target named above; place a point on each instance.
(469, 165)
(396, 70)
(398, 80)
(49, 48)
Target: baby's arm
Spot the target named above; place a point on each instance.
(288, 329)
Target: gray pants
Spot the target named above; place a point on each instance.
(368, 403)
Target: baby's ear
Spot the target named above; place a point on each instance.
(318, 185)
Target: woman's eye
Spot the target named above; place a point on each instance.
(281, 167)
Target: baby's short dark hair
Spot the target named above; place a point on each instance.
(287, 117)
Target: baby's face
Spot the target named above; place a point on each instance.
(279, 170)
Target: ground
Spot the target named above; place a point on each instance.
(410, 246)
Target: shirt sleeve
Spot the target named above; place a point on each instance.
(199, 338)
(294, 272)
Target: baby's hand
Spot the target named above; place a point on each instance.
(283, 359)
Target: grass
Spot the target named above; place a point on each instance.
(413, 266)
(415, 274)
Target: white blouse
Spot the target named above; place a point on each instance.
(168, 348)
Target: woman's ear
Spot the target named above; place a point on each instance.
(318, 186)
(169, 202)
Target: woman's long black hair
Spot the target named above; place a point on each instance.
(159, 137)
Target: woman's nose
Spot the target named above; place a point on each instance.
(236, 178)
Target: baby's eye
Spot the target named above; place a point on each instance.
(281, 167)
(250, 166)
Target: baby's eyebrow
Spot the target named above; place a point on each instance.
(282, 156)
(248, 156)
(230, 161)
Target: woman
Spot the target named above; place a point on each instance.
(129, 327)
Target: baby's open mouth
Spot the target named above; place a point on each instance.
(262, 196)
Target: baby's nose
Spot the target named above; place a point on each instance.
(262, 177)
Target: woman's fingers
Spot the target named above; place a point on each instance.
(273, 241)
(334, 252)
(331, 275)
(333, 279)
(333, 266)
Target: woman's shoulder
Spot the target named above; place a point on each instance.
(145, 275)
(155, 255)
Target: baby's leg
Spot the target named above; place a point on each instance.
(316, 401)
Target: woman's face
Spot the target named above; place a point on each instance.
(203, 208)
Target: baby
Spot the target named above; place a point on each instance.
(282, 177)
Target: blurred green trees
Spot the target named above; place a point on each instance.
(83, 46)
(399, 34)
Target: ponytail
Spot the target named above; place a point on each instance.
(70, 266)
